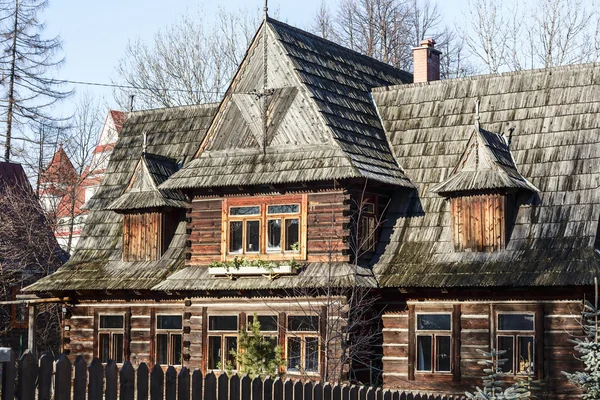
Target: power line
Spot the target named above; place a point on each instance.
(132, 87)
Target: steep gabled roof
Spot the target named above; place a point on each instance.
(486, 165)
(322, 123)
(554, 115)
(142, 191)
(60, 170)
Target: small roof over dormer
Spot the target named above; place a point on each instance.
(486, 165)
(142, 191)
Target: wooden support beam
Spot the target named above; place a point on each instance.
(31, 329)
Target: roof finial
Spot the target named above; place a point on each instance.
(477, 113)
(266, 9)
(145, 145)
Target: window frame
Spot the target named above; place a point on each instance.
(366, 247)
(222, 334)
(515, 334)
(264, 202)
(434, 334)
(111, 332)
(302, 335)
(169, 333)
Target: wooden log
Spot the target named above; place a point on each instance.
(257, 389)
(197, 384)
(111, 373)
(234, 387)
(222, 387)
(268, 389)
(127, 382)
(28, 373)
(246, 386)
(80, 381)
(157, 383)
(278, 389)
(183, 384)
(45, 376)
(96, 380)
(210, 387)
(62, 378)
(142, 382)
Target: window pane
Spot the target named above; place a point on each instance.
(274, 235)
(369, 208)
(104, 350)
(169, 322)
(284, 209)
(304, 323)
(230, 344)
(111, 321)
(526, 356)
(162, 350)
(222, 323)
(268, 323)
(252, 236)
(442, 348)
(433, 322)
(176, 349)
(311, 354)
(367, 234)
(293, 353)
(252, 210)
(424, 353)
(118, 348)
(507, 343)
(214, 352)
(235, 236)
(292, 234)
(515, 322)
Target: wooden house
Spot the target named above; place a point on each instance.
(467, 210)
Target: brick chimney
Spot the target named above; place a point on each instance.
(426, 62)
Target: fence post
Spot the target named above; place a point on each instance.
(245, 384)
(197, 382)
(353, 393)
(111, 372)
(234, 387)
(268, 388)
(210, 386)
(288, 389)
(257, 388)
(96, 377)
(308, 390)
(62, 378)
(318, 391)
(387, 395)
(223, 387)
(9, 373)
(157, 383)
(346, 392)
(171, 384)
(370, 394)
(45, 376)
(278, 389)
(336, 392)
(183, 384)
(80, 381)
(142, 381)
(298, 391)
(127, 382)
(362, 393)
(28, 372)
(327, 391)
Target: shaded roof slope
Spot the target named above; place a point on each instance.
(322, 123)
(554, 116)
(96, 264)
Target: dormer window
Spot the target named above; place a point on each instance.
(146, 236)
(479, 222)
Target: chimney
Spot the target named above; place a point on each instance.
(426, 62)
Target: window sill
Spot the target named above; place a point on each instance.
(280, 270)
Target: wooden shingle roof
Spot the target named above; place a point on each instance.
(553, 119)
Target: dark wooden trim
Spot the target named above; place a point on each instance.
(456, 330)
(492, 311)
(204, 355)
(539, 341)
(282, 321)
(323, 339)
(95, 334)
(411, 342)
(152, 336)
(243, 318)
(127, 336)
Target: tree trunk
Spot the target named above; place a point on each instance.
(11, 85)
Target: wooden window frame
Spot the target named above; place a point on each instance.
(302, 335)
(169, 333)
(111, 332)
(364, 216)
(223, 334)
(14, 320)
(433, 334)
(515, 335)
(264, 217)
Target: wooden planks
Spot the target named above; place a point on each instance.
(143, 236)
(479, 222)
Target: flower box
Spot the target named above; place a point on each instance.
(279, 270)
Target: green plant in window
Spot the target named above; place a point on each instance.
(237, 263)
(258, 355)
(295, 246)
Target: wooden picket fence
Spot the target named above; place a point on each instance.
(30, 379)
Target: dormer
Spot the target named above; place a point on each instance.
(481, 189)
(150, 215)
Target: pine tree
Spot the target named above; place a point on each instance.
(589, 351)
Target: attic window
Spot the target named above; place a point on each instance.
(146, 236)
(479, 222)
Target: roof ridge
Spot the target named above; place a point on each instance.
(590, 65)
(158, 109)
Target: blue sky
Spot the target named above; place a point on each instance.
(95, 33)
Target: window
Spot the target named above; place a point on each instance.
(478, 223)
(434, 334)
(222, 338)
(110, 338)
(367, 240)
(146, 236)
(269, 228)
(269, 328)
(169, 339)
(516, 336)
(303, 344)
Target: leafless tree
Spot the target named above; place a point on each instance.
(190, 62)
(26, 63)
(323, 22)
